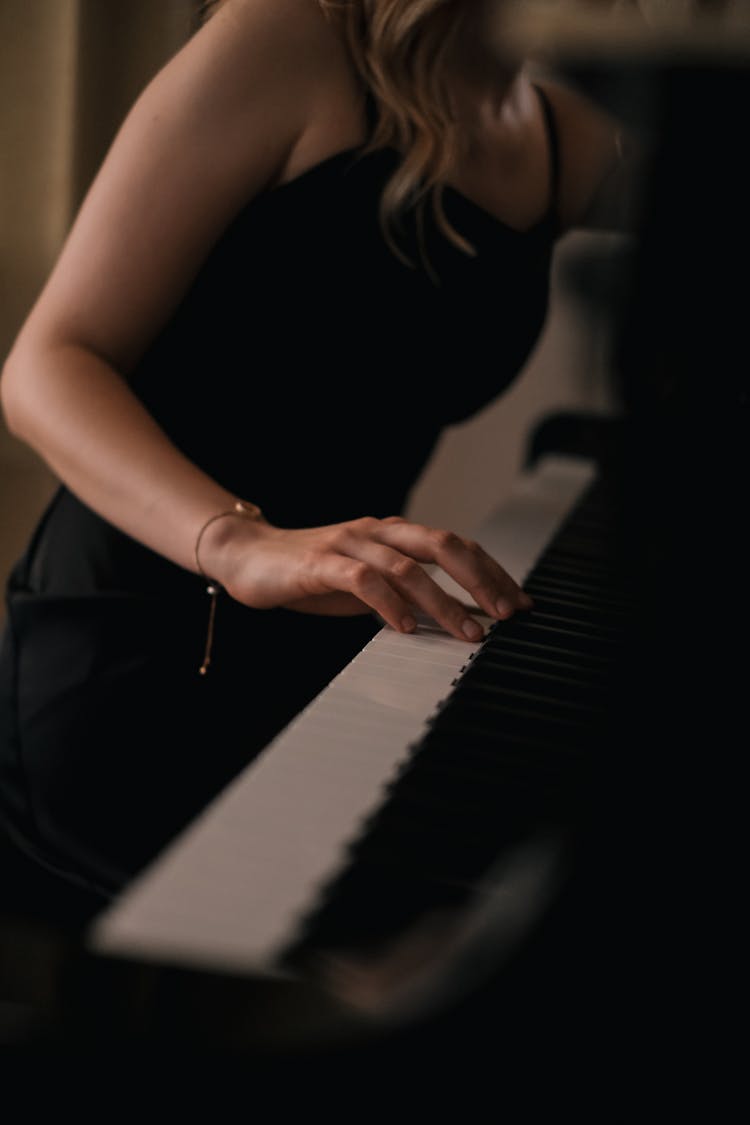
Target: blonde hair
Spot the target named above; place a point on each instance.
(402, 50)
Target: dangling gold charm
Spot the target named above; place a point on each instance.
(213, 592)
(246, 510)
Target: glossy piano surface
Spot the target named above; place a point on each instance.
(413, 833)
(599, 897)
(229, 892)
(403, 842)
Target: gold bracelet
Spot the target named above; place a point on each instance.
(246, 510)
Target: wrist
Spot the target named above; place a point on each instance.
(218, 536)
(211, 551)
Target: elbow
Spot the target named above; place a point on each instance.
(20, 392)
(7, 396)
(11, 396)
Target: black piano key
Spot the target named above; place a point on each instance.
(472, 787)
(579, 568)
(574, 567)
(499, 669)
(496, 660)
(555, 636)
(444, 789)
(570, 738)
(491, 674)
(564, 569)
(605, 599)
(371, 906)
(507, 646)
(481, 733)
(511, 748)
(550, 708)
(494, 748)
(545, 615)
(595, 618)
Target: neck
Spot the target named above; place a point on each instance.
(480, 77)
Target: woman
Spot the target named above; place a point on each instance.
(322, 234)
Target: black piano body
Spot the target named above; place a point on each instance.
(635, 802)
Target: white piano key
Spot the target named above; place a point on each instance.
(229, 892)
(517, 532)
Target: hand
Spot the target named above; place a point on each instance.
(362, 565)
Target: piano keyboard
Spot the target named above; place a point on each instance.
(261, 882)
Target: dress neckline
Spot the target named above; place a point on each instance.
(356, 153)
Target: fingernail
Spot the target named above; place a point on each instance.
(503, 608)
(472, 629)
(408, 624)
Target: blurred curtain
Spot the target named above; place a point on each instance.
(69, 70)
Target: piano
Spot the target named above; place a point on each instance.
(234, 887)
(516, 853)
(410, 832)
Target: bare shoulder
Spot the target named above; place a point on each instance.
(296, 36)
(218, 124)
(289, 45)
(590, 155)
(292, 26)
(333, 96)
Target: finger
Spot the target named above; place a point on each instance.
(331, 572)
(465, 560)
(336, 604)
(419, 589)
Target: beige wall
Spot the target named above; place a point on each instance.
(37, 65)
(476, 463)
(68, 71)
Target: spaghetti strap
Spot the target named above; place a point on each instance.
(371, 112)
(554, 147)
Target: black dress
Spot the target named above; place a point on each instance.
(306, 368)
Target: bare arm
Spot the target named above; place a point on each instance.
(217, 125)
(213, 127)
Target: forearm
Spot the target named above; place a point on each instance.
(79, 415)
